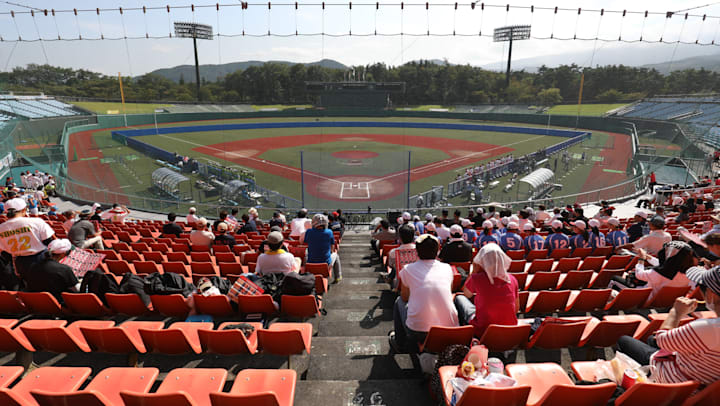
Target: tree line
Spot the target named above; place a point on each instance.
(426, 83)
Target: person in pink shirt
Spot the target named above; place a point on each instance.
(495, 292)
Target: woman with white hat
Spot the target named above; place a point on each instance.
(25, 238)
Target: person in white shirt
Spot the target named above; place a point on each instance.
(541, 214)
(201, 236)
(407, 238)
(116, 214)
(25, 238)
(298, 224)
(653, 242)
(191, 217)
(276, 259)
(442, 231)
(425, 300)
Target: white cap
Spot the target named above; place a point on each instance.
(480, 210)
(677, 201)
(192, 210)
(487, 224)
(430, 227)
(686, 194)
(416, 218)
(641, 214)
(16, 204)
(530, 210)
(594, 223)
(579, 224)
(60, 246)
(494, 221)
(528, 226)
(406, 216)
(514, 218)
(466, 223)
(428, 216)
(556, 224)
(504, 220)
(512, 225)
(400, 220)
(455, 229)
(613, 221)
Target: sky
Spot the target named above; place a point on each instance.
(134, 57)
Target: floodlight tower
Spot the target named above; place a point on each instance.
(511, 33)
(194, 31)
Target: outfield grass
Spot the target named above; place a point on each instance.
(585, 109)
(130, 108)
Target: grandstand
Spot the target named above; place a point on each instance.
(33, 107)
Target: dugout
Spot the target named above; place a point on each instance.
(537, 184)
(169, 182)
(364, 95)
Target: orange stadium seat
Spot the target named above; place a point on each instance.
(259, 387)
(48, 379)
(182, 386)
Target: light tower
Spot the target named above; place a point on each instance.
(194, 31)
(511, 33)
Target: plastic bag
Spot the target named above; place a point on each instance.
(427, 362)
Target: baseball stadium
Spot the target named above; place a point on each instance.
(607, 115)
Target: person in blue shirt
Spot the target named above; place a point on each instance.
(320, 240)
(581, 239)
(419, 226)
(556, 240)
(597, 239)
(511, 240)
(469, 233)
(616, 236)
(487, 236)
(533, 241)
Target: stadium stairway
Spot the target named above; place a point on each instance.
(351, 362)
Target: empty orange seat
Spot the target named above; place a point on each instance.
(440, 337)
(85, 304)
(601, 279)
(606, 333)
(203, 269)
(54, 336)
(229, 342)
(575, 280)
(128, 304)
(13, 339)
(131, 256)
(322, 269)
(48, 379)
(547, 301)
(170, 305)
(567, 264)
(617, 262)
(516, 255)
(558, 253)
(8, 375)
(182, 386)
(146, 267)
(542, 281)
(536, 254)
(10, 303)
(119, 268)
(540, 265)
(666, 296)
(706, 397)
(581, 252)
(122, 339)
(256, 304)
(217, 305)
(177, 257)
(656, 394)
(286, 338)
(592, 264)
(104, 389)
(259, 387)
(499, 338)
(178, 268)
(556, 335)
(299, 306)
(179, 338)
(221, 257)
(630, 298)
(40, 303)
(587, 300)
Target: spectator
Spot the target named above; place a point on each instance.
(616, 236)
(524, 218)
(320, 240)
(297, 225)
(407, 238)
(683, 216)
(511, 240)
(95, 217)
(70, 218)
(335, 225)
(25, 238)
(276, 220)
(382, 232)
(457, 249)
(443, 232)
(341, 218)
(533, 241)
(445, 220)
(495, 292)
(556, 240)
(191, 218)
(425, 299)
(117, 213)
(469, 233)
(276, 259)
(234, 223)
(581, 238)
(542, 215)
(171, 227)
(222, 218)
(248, 224)
(487, 236)
(223, 238)
(419, 225)
(597, 239)
(49, 275)
(654, 241)
(640, 227)
(201, 237)
(690, 352)
(659, 212)
(82, 234)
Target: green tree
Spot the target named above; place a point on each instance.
(549, 97)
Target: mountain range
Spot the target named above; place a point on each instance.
(211, 73)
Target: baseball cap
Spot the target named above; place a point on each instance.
(613, 221)
(677, 201)
(275, 237)
(657, 222)
(456, 230)
(504, 221)
(428, 216)
(466, 222)
(222, 226)
(512, 225)
(710, 278)
(406, 216)
(487, 224)
(480, 210)
(60, 246)
(594, 223)
(528, 227)
(400, 221)
(641, 214)
(579, 224)
(556, 224)
(430, 227)
(416, 218)
(16, 204)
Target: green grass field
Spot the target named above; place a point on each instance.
(130, 108)
(131, 173)
(585, 109)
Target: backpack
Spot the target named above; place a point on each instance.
(99, 283)
(132, 283)
(296, 284)
(272, 285)
(452, 355)
(167, 284)
(221, 283)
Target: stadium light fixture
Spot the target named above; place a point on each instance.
(194, 31)
(511, 33)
